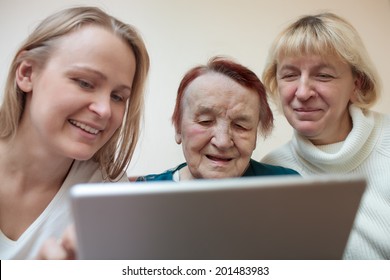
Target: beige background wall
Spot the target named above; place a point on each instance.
(182, 33)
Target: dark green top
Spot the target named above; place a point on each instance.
(255, 168)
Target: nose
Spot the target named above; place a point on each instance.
(304, 89)
(222, 137)
(101, 105)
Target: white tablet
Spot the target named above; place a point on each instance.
(276, 217)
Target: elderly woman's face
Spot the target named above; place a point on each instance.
(219, 127)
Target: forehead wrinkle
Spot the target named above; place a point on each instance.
(204, 110)
(232, 108)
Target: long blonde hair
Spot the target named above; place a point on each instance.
(114, 157)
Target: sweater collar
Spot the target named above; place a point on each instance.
(340, 157)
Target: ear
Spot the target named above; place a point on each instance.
(23, 76)
(357, 90)
(256, 136)
(178, 137)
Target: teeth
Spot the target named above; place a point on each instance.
(84, 127)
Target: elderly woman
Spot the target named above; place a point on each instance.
(220, 109)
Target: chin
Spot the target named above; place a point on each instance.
(306, 130)
(81, 156)
(218, 175)
(309, 135)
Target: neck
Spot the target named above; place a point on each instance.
(23, 166)
(337, 133)
(185, 174)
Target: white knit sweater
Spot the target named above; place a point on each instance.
(366, 151)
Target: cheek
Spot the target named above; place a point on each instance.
(117, 118)
(195, 136)
(286, 94)
(190, 130)
(194, 132)
(119, 112)
(246, 144)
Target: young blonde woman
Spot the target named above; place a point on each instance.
(71, 114)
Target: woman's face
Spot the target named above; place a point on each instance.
(315, 93)
(78, 100)
(218, 130)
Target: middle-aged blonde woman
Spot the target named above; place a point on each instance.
(319, 71)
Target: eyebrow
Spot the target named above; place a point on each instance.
(202, 110)
(89, 70)
(243, 118)
(318, 66)
(96, 73)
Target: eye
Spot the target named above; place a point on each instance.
(117, 97)
(240, 126)
(205, 122)
(84, 84)
(324, 77)
(288, 76)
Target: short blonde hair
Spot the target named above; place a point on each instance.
(114, 157)
(324, 34)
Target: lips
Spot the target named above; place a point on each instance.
(306, 110)
(85, 127)
(217, 158)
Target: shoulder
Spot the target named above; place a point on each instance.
(280, 156)
(382, 126)
(90, 171)
(264, 169)
(84, 166)
(164, 176)
(382, 119)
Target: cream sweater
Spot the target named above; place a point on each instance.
(366, 151)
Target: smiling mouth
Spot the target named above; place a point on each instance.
(303, 110)
(218, 158)
(85, 127)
